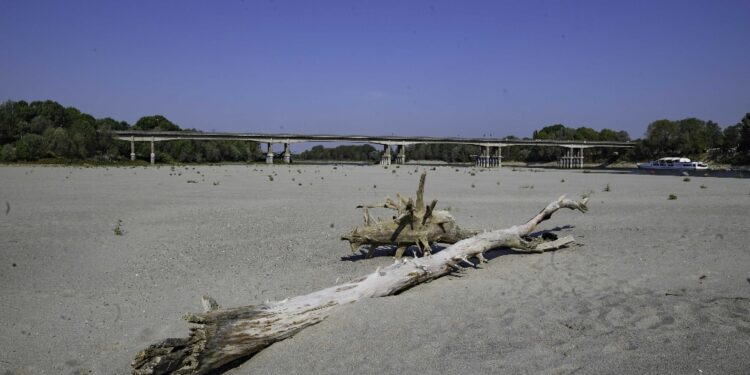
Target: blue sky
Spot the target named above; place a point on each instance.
(437, 68)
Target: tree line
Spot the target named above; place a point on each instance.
(691, 137)
(48, 130)
(695, 137)
(364, 152)
(467, 153)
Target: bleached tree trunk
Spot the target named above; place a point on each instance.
(221, 336)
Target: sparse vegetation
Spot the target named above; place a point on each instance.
(118, 228)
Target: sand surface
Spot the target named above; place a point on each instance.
(654, 286)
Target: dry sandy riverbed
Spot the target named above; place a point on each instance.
(654, 286)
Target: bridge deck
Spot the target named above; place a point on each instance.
(148, 136)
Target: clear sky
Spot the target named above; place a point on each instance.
(468, 68)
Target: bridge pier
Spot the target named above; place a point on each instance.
(484, 158)
(287, 154)
(573, 158)
(401, 154)
(269, 153)
(385, 159)
(153, 155)
(132, 148)
(562, 161)
(496, 159)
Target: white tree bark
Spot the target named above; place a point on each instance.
(221, 336)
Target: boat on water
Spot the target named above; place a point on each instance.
(674, 163)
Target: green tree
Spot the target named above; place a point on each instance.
(8, 153)
(183, 151)
(156, 122)
(557, 131)
(744, 141)
(692, 136)
(39, 124)
(615, 136)
(30, 147)
(343, 152)
(211, 152)
(585, 134)
(9, 131)
(731, 139)
(70, 115)
(58, 142)
(109, 123)
(54, 112)
(662, 138)
(714, 135)
(83, 135)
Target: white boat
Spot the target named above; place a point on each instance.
(674, 163)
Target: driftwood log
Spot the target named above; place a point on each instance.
(413, 223)
(221, 336)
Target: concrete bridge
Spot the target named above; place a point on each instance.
(489, 154)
